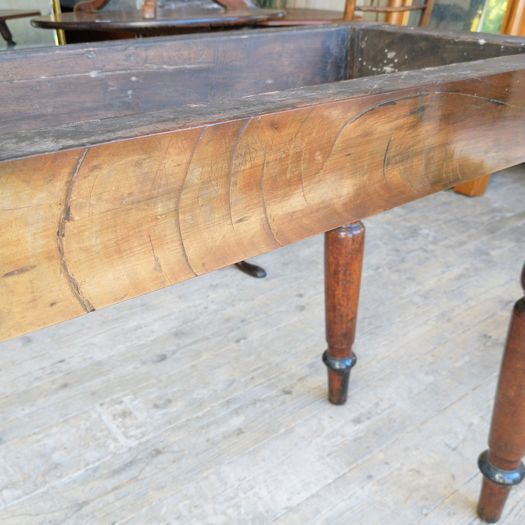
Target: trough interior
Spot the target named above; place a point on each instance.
(46, 89)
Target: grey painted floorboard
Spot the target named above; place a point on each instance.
(204, 403)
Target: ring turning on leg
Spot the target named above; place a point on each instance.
(501, 465)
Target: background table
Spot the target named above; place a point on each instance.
(166, 21)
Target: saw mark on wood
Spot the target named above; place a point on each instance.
(385, 158)
(188, 166)
(158, 266)
(19, 271)
(265, 206)
(242, 129)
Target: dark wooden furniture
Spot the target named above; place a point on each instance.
(11, 14)
(143, 163)
(165, 18)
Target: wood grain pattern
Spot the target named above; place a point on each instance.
(171, 202)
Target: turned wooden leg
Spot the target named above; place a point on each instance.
(501, 465)
(343, 261)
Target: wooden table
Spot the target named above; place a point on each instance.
(11, 14)
(166, 20)
(144, 163)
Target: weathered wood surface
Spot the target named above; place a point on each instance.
(192, 191)
(77, 83)
(389, 50)
(118, 416)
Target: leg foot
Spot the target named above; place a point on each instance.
(251, 269)
(501, 465)
(343, 261)
(6, 34)
(473, 188)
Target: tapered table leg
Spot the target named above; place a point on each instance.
(343, 261)
(501, 465)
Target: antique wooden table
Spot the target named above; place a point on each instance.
(129, 166)
(165, 21)
(132, 22)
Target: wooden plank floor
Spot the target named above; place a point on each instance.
(205, 403)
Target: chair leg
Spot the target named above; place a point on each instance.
(6, 34)
(473, 188)
(251, 269)
(343, 261)
(501, 465)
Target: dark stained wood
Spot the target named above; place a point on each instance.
(507, 430)
(388, 51)
(251, 269)
(502, 79)
(106, 80)
(135, 22)
(344, 248)
(236, 158)
(237, 4)
(93, 5)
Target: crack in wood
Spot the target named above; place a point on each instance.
(188, 166)
(100, 74)
(65, 217)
